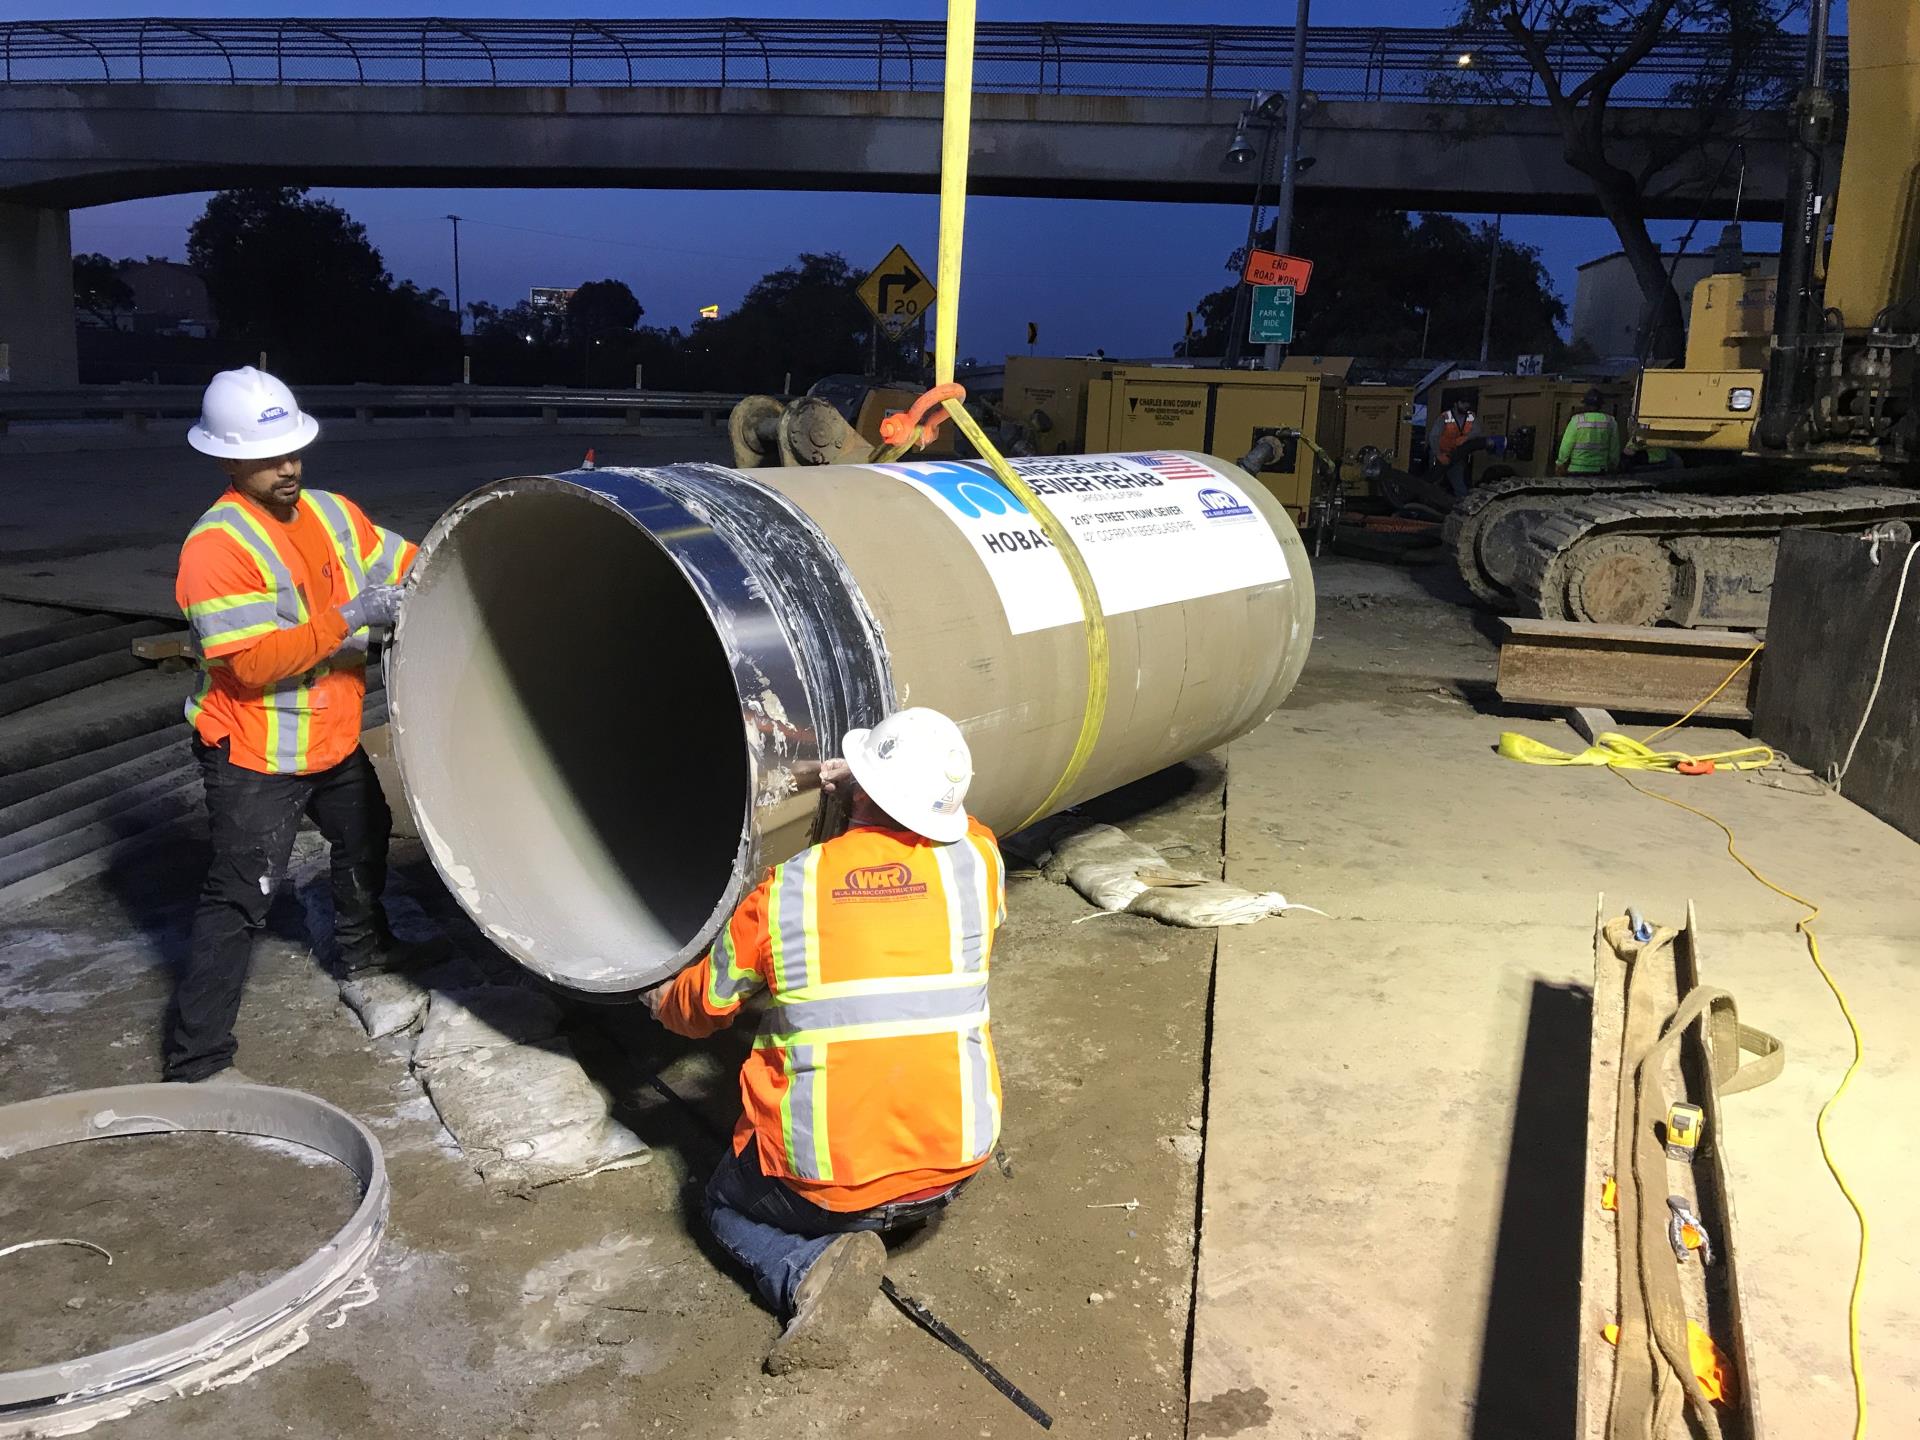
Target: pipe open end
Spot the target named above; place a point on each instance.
(567, 725)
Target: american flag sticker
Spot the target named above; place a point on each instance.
(1174, 467)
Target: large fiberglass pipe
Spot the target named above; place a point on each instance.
(610, 689)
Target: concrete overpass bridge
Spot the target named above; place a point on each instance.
(99, 111)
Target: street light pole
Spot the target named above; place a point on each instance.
(1493, 274)
(459, 312)
(1290, 156)
(1242, 292)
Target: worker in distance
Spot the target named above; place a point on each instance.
(1590, 445)
(872, 1094)
(282, 586)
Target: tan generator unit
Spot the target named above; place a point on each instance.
(1221, 413)
(1380, 416)
(1046, 398)
(1531, 412)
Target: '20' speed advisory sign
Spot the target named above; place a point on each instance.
(1155, 528)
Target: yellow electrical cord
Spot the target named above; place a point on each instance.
(1620, 754)
(1804, 926)
(955, 142)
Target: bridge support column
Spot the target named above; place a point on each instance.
(36, 296)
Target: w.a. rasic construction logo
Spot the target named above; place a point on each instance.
(1221, 505)
(972, 492)
(271, 414)
(879, 882)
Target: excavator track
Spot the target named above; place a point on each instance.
(1477, 512)
(1690, 559)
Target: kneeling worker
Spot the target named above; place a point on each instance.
(280, 584)
(871, 1095)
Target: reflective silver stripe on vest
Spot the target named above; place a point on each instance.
(346, 545)
(897, 1012)
(969, 876)
(983, 1112)
(806, 1080)
(216, 627)
(286, 599)
(790, 938)
(728, 980)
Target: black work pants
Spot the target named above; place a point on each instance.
(252, 819)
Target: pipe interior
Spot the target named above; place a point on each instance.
(571, 738)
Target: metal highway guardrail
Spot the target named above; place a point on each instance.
(136, 404)
(1191, 61)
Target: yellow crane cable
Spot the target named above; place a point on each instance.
(1620, 753)
(956, 124)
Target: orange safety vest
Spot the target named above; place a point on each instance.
(873, 1074)
(1452, 436)
(241, 578)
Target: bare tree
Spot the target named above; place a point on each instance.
(1712, 66)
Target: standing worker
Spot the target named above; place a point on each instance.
(1453, 450)
(1591, 444)
(871, 1094)
(280, 585)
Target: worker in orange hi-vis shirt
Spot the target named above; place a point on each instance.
(281, 586)
(871, 1094)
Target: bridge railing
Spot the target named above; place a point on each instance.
(1188, 61)
(135, 405)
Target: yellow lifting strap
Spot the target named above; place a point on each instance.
(1623, 752)
(955, 144)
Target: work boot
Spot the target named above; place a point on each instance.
(226, 1075)
(389, 952)
(830, 1307)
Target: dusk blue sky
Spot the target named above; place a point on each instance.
(680, 250)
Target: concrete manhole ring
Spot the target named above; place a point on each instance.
(74, 1395)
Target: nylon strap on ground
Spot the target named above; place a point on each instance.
(955, 142)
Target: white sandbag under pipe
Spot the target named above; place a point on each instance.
(610, 689)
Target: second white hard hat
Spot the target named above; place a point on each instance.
(248, 414)
(915, 765)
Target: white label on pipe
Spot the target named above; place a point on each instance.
(1155, 529)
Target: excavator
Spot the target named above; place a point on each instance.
(1812, 422)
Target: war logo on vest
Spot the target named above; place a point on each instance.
(879, 882)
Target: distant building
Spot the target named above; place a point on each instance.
(1608, 308)
(168, 299)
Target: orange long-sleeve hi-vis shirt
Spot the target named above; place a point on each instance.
(282, 678)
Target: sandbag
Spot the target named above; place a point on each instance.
(1116, 872)
(509, 1088)
(389, 1003)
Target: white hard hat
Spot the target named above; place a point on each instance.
(248, 414)
(915, 765)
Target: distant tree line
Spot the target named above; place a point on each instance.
(1391, 283)
(297, 278)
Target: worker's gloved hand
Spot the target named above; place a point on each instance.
(375, 605)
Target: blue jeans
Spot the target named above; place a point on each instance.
(777, 1234)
